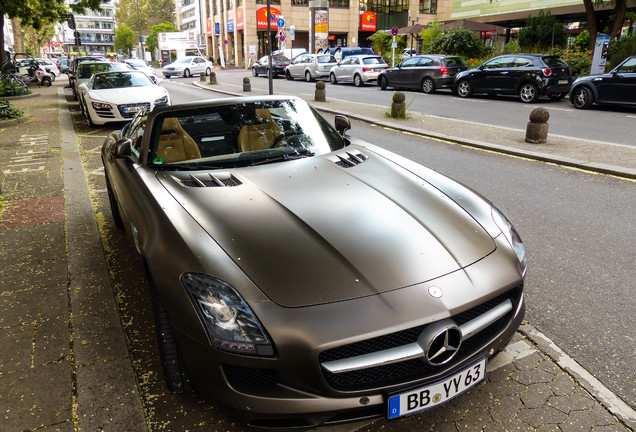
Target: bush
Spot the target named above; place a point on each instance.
(8, 87)
(511, 48)
(542, 32)
(428, 35)
(620, 50)
(580, 60)
(582, 41)
(7, 112)
(381, 43)
(460, 42)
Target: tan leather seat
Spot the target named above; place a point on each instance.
(175, 145)
(259, 136)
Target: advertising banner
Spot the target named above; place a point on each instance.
(176, 40)
(368, 21)
(240, 22)
(261, 18)
(208, 27)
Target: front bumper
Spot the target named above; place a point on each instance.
(171, 73)
(296, 387)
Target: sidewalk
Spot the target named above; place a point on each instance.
(64, 363)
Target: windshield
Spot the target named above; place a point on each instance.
(120, 80)
(241, 134)
(137, 63)
(184, 60)
(87, 70)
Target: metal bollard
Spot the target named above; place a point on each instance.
(321, 93)
(247, 86)
(537, 129)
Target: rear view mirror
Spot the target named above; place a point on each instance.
(342, 124)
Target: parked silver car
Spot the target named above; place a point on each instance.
(310, 66)
(188, 66)
(357, 69)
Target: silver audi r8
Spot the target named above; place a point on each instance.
(302, 276)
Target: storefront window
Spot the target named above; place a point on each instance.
(387, 6)
(300, 2)
(339, 4)
(428, 6)
(276, 2)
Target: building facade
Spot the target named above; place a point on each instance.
(96, 30)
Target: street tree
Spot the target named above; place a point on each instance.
(37, 13)
(125, 38)
(151, 40)
(542, 32)
(615, 22)
(141, 15)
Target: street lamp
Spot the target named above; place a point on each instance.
(141, 46)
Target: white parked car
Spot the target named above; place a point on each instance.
(187, 66)
(141, 65)
(117, 96)
(50, 67)
(358, 69)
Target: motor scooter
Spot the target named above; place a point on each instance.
(38, 74)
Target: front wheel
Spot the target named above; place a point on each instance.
(186, 73)
(308, 76)
(332, 78)
(383, 83)
(464, 89)
(357, 80)
(288, 76)
(208, 71)
(428, 85)
(46, 82)
(254, 72)
(582, 98)
(528, 93)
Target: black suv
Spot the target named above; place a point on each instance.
(526, 75)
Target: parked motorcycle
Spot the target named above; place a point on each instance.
(38, 74)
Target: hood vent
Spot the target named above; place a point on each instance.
(209, 180)
(350, 159)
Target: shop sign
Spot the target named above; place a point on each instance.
(230, 26)
(368, 21)
(261, 18)
(487, 34)
(208, 27)
(239, 18)
(217, 28)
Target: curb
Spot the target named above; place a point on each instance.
(15, 121)
(27, 96)
(543, 157)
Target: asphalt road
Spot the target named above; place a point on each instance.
(579, 229)
(615, 125)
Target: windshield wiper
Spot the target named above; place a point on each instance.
(284, 157)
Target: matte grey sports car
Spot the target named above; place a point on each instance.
(303, 277)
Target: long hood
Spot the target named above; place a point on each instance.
(128, 95)
(311, 231)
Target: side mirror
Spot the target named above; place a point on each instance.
(121, 149)
(342, 124)
(153, 79)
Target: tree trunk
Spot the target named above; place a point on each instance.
(18, 36)
(620, 9)
(591, 22)
(2, 59)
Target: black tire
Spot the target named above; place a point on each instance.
(174, 371)
(187, 73)
(528, 93)
(383, 83)
(308, 77)
(52, 77)
(582, 98)
(208, 71)
(464, 89)
(46, 82)
(114, 207)
(254, 72)
(357, 81)
(288, 76)
(332, 78)
(428, 85)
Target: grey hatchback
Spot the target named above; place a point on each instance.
(425, 72)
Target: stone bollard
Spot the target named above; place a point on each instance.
(398, 106)
(247, 86)
(537, 129)
(212, 77)
(321, 93)
(202, 77)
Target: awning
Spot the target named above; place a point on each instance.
(414, 29)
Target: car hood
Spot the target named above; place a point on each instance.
(128, 94)
(311, 231)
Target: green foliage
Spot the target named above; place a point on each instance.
(456, 41)
(381, 43)
(511, 48)
(621, 49)
(144, 13)
(7, 112)
(8, 87)
(580, 60)
(428, 35)
(542, 32)
(125, 38)
(582, 41)
(151, 40)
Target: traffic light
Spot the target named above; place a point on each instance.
(78, 39)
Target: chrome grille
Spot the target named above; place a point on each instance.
(124, 107)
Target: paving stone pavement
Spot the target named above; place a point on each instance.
(65, 365)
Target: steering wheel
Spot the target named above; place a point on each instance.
(279, 138)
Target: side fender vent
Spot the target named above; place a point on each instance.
(210, 180)
(350, 159)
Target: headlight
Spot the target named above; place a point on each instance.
(162, 100)
(230, 323)
(511, 235)
(101, 105)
